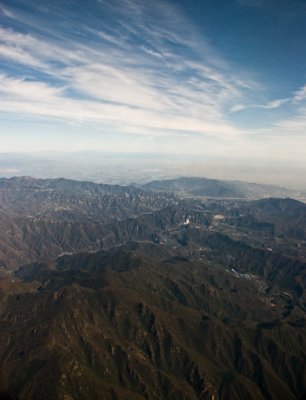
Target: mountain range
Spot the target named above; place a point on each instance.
(185, 289)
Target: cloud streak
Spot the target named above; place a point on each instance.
(115, 77)
(297, 97)
(133, 67)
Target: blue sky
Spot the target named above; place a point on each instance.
(205, 77)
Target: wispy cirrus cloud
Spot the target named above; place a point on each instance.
(16, 88)
(133, 67)
(271, 105)
(115, 76)
(298, 96)
(46, 101)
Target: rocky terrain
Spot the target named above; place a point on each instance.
(111, 292)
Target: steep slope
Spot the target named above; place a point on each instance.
(287, 215)
(129, 294)
(26, 239)
(125, 325)
(75, 200)
(42, 218)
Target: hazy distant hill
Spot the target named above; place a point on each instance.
(203, 187)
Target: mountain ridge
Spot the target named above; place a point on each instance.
(160, 298)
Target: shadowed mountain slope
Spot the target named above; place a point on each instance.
(123, 324)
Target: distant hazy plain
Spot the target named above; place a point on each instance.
(140, 168)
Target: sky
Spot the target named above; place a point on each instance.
(211, 78)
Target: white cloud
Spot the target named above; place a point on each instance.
(271, 105)
(152, 52)
(113, 39)
(294, 126)
(6, 12)
(300, 94)
(238, 107)
(38, 99)
(121, 83)
(21, 89)
(147, 88)
(274, 104)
